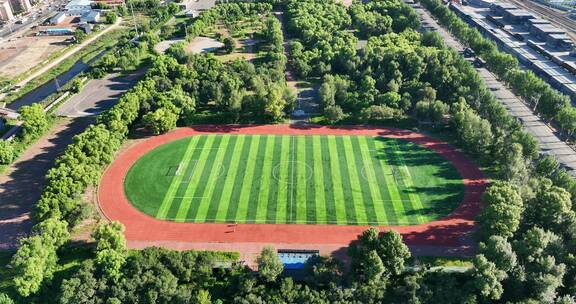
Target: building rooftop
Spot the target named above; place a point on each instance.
(79, 2)
(538, 21)
(559, 36)
(91, 14)
(520, 13)
(505, 5)
(548, 28)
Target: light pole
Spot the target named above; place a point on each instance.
(134, 17)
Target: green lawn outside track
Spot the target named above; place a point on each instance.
(344, 180)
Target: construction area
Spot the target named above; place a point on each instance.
(535, 41)
(19, 55)
(33, 46)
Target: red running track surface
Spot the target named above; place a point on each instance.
(452, 231)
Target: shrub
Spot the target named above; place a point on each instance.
(6, 152)
(334, 114)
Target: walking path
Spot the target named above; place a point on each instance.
(22, 183)
(306, 92)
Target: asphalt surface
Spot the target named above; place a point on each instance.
(99, 95)
(550, 142)
(22, 183)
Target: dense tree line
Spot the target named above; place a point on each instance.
(378, 274)
(324, 44)
(403, 74)
(549, 103)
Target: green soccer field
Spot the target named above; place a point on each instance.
(344, 180)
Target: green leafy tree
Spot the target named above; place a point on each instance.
(488, 278)
(550, 209)
(111, 18)
(546, 166)
(276, 102)
(269, 264)
(391, 250)
(160, 121)
(373, 267)
(34, 262)
(229, 45)
(79, 35)
(5, 299)
(203, 297)
(110, 236)
(503, 211)
(566, 118)
(513, 165)
(499, 251)
(323, 271)
(334, 114)
(110, 249)
(54, 230)
(6, 152)
(35, 121)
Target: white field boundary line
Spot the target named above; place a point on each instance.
(303, 222)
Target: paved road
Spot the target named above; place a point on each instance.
(23, 181)
(65, 56)
(550, 142)
(99, 95)
(12, 29)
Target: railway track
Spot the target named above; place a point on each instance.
(554, 16)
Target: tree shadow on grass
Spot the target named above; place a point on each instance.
(411, 155)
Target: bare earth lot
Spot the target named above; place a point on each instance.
(196, 46)
(21, 54)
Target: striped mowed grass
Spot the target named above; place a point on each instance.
(312, 179)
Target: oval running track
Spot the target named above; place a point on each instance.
(448, 236)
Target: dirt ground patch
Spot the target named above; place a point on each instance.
(203, 44)
(21, 54)
(347, 2)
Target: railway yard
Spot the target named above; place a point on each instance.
(556, 17)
